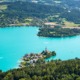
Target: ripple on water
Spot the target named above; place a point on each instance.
(46, 42)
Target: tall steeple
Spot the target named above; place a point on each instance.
(46, 50)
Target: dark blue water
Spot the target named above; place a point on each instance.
(17, 41)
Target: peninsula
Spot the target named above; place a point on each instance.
(36, 58)
(58, 32)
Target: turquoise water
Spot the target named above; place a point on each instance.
(17, 41)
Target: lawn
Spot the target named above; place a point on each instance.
(3, 7)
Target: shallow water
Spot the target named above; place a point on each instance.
(17, 41)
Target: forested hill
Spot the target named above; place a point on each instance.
(54, 70)
(20, 12)
(66, 3)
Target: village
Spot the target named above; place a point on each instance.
(35, 58)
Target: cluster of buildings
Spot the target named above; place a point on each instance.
(32, 58)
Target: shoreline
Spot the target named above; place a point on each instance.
(20, 26)
(36, 58)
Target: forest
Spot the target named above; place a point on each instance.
(58, 32)
(53, 70)
(18, 13)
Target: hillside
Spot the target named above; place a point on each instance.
(22, 12)
(66, 3)
(38, 12)
(28, 13)
(54, 70)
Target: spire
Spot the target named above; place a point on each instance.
(46, 49)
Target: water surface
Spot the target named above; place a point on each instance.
(17, 41)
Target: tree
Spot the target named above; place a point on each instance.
(78, 78)
(9, 76)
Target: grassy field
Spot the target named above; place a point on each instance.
(61, 21)
(28, 19)
(71, 24)
(3, 7)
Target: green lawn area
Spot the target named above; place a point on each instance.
(3, 7)
(62, 21)
(71, 24)
(28, 19)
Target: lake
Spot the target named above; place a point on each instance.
(17, 41)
